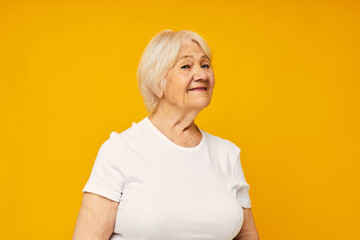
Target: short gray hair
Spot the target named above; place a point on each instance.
(158, 57)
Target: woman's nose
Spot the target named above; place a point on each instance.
(199, 73)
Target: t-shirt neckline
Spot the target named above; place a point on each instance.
(171, 143)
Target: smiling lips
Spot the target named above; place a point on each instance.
(198, 89)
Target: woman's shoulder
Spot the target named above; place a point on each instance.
(126, 132)
(220, 142)
(130, 136)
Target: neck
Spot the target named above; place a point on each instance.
(175, 123)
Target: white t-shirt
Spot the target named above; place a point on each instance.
(170, 192)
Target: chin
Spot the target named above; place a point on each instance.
(201, 104)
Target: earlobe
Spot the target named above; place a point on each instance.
(158, 91)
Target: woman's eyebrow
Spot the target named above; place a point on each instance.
(204, 56)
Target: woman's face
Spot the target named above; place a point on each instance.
(192, 70)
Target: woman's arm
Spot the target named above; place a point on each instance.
(248, 230)
(96, 219)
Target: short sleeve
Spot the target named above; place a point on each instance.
(242, 186)
(106, 178)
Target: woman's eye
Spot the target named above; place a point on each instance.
(185, 66)
(206, 66)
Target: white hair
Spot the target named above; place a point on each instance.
(158, 57)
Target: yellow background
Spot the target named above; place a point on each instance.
(287, 93)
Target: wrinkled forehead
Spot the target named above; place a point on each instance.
(189, 48)
(191, 57)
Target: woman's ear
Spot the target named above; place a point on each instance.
(158, 90)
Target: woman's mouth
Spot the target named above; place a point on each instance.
(198, 89)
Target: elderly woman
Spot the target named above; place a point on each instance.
(164, 178)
